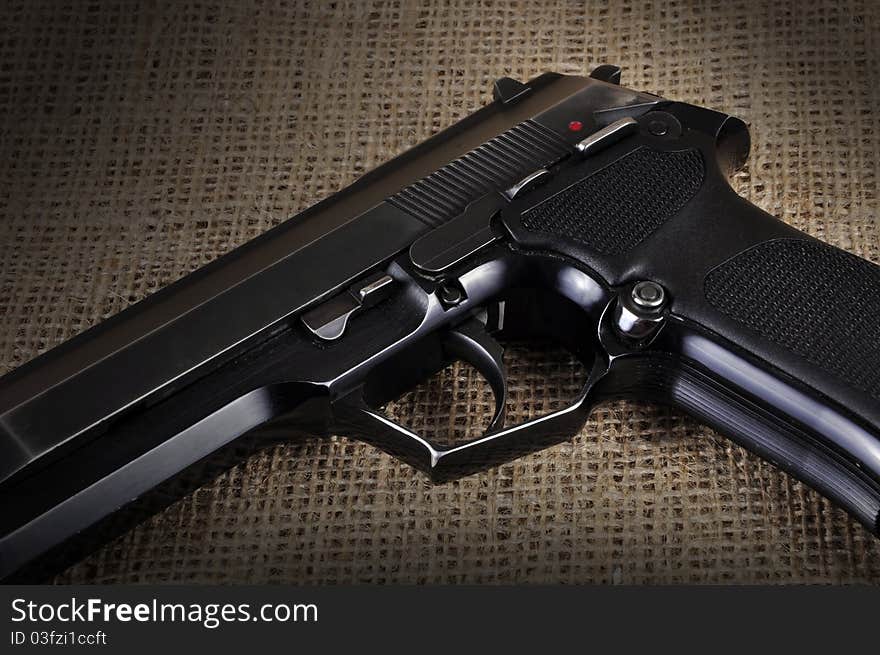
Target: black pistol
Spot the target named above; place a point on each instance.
(570, 209)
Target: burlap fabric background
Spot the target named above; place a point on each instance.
(140, 141)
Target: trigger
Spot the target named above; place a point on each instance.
(471, 343)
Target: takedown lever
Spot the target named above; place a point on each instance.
(328, 320)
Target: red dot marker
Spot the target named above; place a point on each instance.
(575, 126)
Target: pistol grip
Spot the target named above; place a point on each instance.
(771, 336)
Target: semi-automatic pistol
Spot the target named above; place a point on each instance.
(570, 209)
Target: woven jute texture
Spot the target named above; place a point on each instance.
(141, 141)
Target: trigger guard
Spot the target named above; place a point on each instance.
(471, 343)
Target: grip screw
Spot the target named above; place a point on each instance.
(657, 128)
